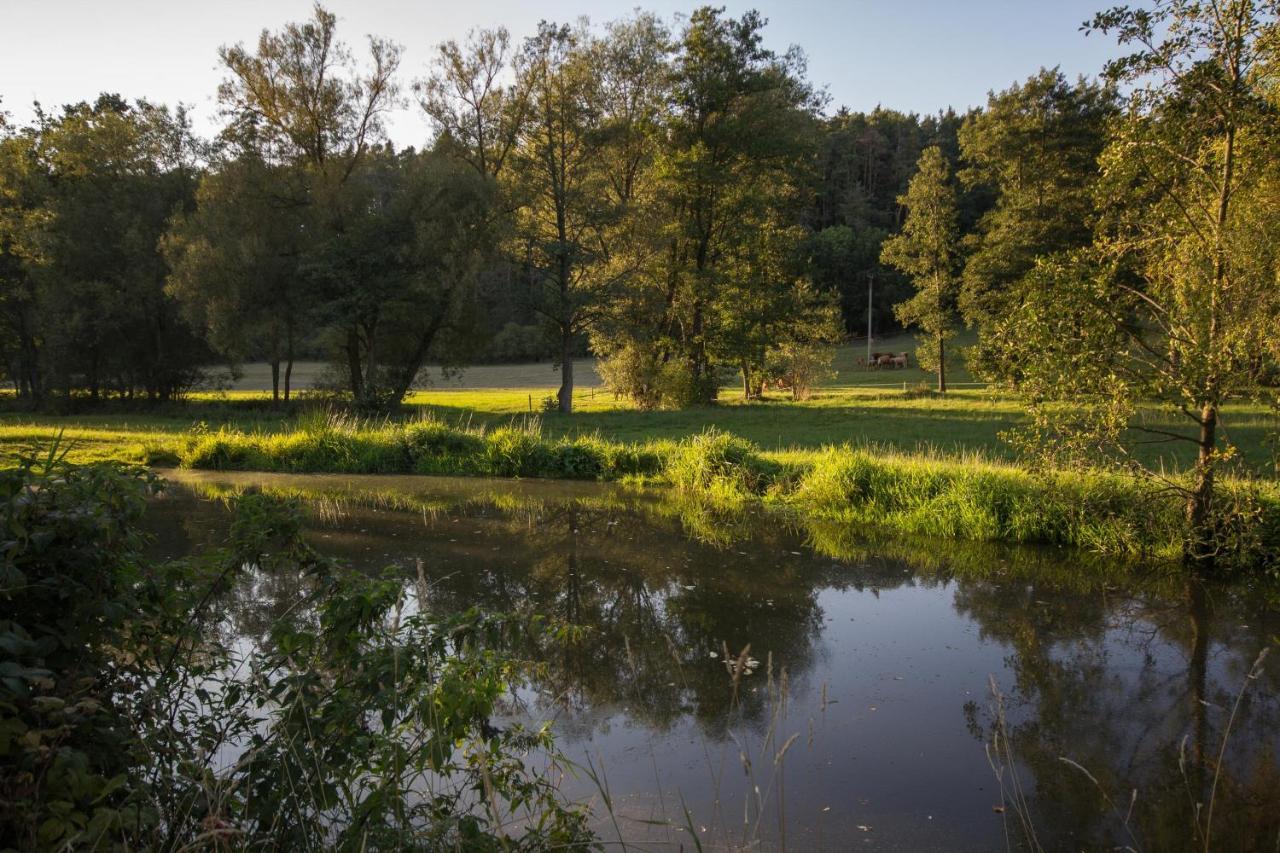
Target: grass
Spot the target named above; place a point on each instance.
(715, 474)
(858, 406)
(868, 449)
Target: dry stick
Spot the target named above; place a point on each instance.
(1254, 672)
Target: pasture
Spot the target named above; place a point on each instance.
(885, 409)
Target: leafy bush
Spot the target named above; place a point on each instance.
(436, 448)
(115, 696)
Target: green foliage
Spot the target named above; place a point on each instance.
(338, 443)
(1036, 146)
(718, 467)
(927, 250)
(85, 197)
(715, 474)
(1175, 302)
(362, 724)
(736, 158)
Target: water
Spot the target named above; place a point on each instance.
(876, 661)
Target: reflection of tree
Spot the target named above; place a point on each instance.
(1110, 668)
(656, 605)
(1137, 690)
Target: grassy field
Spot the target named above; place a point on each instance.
(865, 408)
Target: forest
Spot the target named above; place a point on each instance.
(680, 204)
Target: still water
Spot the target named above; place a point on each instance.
(865, 713)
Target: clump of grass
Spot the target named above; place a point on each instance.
(985, 501)
(516, 451)
(342, 444)
(718, 467)
(436, 448)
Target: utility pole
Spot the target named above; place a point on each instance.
(871, 277)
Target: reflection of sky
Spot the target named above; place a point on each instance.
(901, 657)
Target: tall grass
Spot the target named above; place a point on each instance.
(717, 474)
(344, 444)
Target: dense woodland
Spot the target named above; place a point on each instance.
(679, 203)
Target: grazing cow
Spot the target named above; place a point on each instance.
(900, 359)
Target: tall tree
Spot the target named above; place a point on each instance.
(1036, 148)
(580, 171)
(397, 282)
(476, 99)
(310, 106)
(308, 99)
(927, 249)
(236, 260)
(23, 188)
(1177, 302)
(736, 164)
(113, 174)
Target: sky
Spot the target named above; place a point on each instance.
(911, 55)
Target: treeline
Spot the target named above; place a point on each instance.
(674, 202)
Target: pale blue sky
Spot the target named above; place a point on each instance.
(916, 55)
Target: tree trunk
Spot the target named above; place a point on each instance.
(746, 381)
(566, 373)
(942, 365)
(1201, 542)
(355, 376)
(288, 355)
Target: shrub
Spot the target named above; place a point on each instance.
(435, 448)
(116, 694)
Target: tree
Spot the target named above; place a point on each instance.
(235, 264)
(477, 114)
(22, 189)
(562, 202)
(306, 104)
(86, 196)
(396, 284)
(733, 177)
(581, 173)
(1177, 301)
(866, 161)
(306, 98)
(1036, 147)
(927, 250)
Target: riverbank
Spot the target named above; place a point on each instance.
(974, 498)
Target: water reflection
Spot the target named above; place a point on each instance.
(875, 655)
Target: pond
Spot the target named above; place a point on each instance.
(889, 695)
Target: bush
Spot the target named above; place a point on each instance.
(985, 502)
(799, 366)
(435, 448)
(117, 693)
